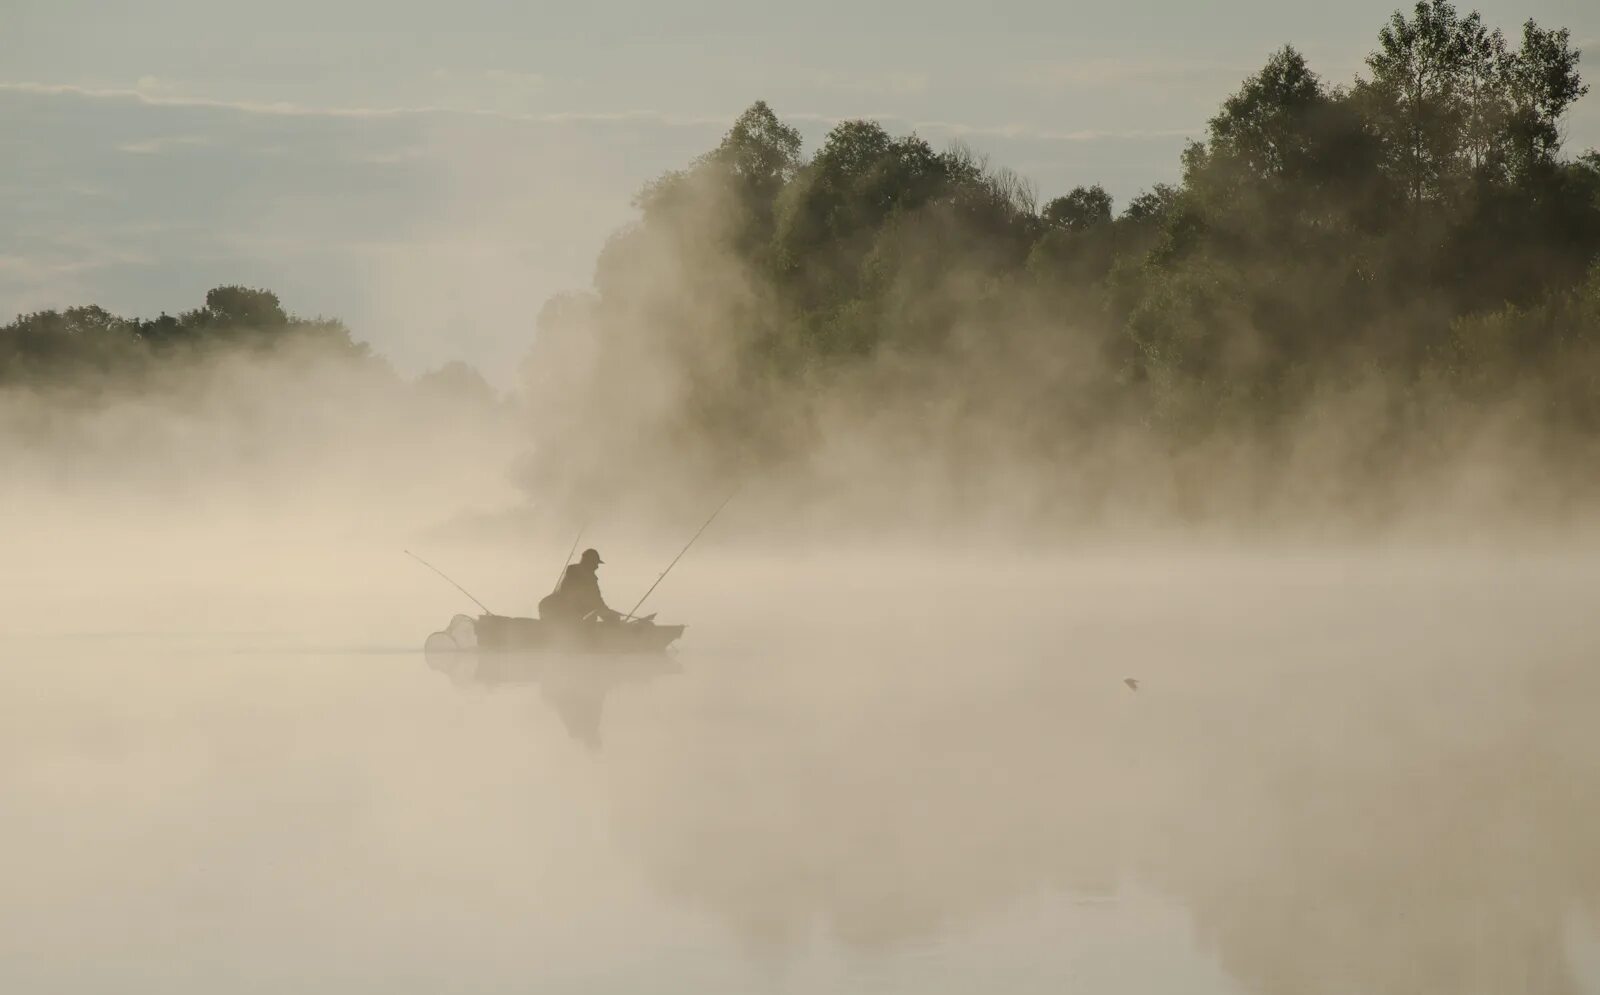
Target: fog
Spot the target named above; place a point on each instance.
(898, 749)
(903, 761)
(1197, 598)
(227, 766)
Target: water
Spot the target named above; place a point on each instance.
(1370, 772)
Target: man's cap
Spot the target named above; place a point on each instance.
(592, 554)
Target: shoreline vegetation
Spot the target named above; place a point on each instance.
(1363, 301)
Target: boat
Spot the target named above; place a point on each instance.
(506, 634)
(529, 655)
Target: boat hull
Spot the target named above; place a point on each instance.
(498, 634)
(504, 634)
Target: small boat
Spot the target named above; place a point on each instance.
(504, 634)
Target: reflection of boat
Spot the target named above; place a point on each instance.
(502, 634)
(574, 681)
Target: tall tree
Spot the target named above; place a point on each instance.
(1544, 82)
(1266, 127)
(1416, 95)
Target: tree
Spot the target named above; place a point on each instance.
(1415, 96)
(1544, 82)
(84, 342)
(1486, 105)
(759, 149)
(1266, 127)
(1153, 205)
(1081, 209)
(1452, 101)
(244, 307)
(828, 218)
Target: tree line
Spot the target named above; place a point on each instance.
(89, 347)
(51, 348)
(1420, 228)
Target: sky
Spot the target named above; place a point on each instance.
(432, 173)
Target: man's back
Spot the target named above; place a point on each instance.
(580, 584)
(577, 595)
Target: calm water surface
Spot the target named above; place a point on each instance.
(1335, 775)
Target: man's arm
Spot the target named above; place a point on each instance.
(597, 603)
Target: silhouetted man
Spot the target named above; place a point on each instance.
(577, 597)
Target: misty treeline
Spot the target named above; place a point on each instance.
(237, 395)
(1360, 299)
(240, 349)
(1354, 291)
(89, 349)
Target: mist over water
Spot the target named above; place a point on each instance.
(866, 768)
(900, 748)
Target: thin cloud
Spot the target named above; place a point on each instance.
(1039, 134)
(43, 267)
(960, 129)
(1117, 72)
(288, 109)
(157, 146)
(1020, 131)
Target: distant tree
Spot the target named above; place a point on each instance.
(859, 176)
(1416, 95)
(1267, 126)
(1485, 96)
(828, 218)
(1152, 205)
(82, 342)
(1451, 101)
(1081, 209)
(1544, 82)
(244, 307)
(161, 330)
(759, 149)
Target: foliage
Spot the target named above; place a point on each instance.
(1418, 225)
(1418, 228)
(89, 344)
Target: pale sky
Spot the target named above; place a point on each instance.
(432, 172)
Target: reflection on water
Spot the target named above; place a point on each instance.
(1328, 780)
(574, 685)
(1407, 802)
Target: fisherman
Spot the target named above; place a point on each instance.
(577, 597)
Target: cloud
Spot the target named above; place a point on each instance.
(1017, 131)
(1055, 76)
(1041, 134)
(44, 276)
(156, 146)
(150, 98)
(718, 120)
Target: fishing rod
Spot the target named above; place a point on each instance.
(452, 583)
(575, 540)
(633, 612)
